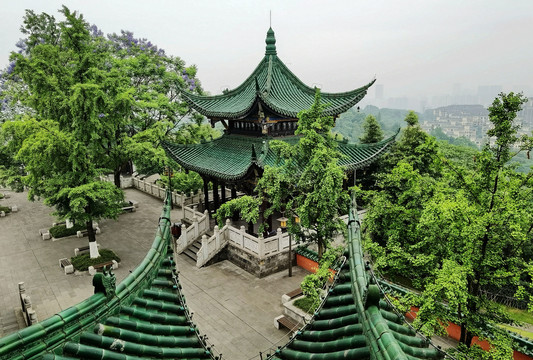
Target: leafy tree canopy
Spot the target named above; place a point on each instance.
(457, 232)
(95, 103)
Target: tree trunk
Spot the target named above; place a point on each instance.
(116, 175)
(462, 337)
(251, 228)
(93, 248)
(469, 337)
(320, 244)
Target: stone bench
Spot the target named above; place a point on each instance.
(80, 250)
(113, 264)
(291, 295)
(82, 233)
(2, 214)
(66, 265)
(45, 234)
(134, 203)
(128, 209)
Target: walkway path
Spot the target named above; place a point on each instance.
(235, 309)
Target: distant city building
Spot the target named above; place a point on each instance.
(526, 117)
(471, 121)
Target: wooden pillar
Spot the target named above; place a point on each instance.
(223, 191)
(206, 193)
(233, 192)
(216, 197)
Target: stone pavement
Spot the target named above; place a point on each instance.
(235, 309)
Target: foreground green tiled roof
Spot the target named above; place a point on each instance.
(230, 157)
(273, 85)
(354, 321)
(145, 317)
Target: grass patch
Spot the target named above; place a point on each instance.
(524, 333)
(520, 316)
(82, 262)
(5, 209)
(60, 231)
(306, 304)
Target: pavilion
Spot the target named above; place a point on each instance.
(263, 108)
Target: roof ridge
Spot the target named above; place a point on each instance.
(269, 76)
(369, 145)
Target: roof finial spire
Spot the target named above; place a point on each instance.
(270, 25)
(271, 43)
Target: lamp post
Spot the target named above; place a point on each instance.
(169, 172)
(296, 221)
(283, 224)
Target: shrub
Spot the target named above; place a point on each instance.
(313, 283)
(82, 262)
(307, 304)
(5, 209)
(60, 231)
(183, 182)
(1, 196)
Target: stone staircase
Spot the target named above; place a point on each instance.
(193, 249)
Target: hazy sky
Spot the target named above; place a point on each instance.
(414, 48)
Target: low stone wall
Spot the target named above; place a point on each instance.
(259, 267)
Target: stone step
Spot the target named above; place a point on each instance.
(191, 254)
(195, 246)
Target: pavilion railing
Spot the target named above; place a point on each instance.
(178, 198)
(199, 226)
(258, 247)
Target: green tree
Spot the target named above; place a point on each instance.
(372, 131)
(80, 102)
(414, 146)
(158, 111)
(62, 169)
(308, 182)
(462, 232)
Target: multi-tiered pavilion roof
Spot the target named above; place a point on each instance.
(263, 108)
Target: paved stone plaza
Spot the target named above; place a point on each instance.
(234, 308)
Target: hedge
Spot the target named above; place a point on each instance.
(60, 231)
(82, 262)
(5, 209)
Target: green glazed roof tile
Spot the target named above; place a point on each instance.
(353, 321)
(230, 157)
(273, 85)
